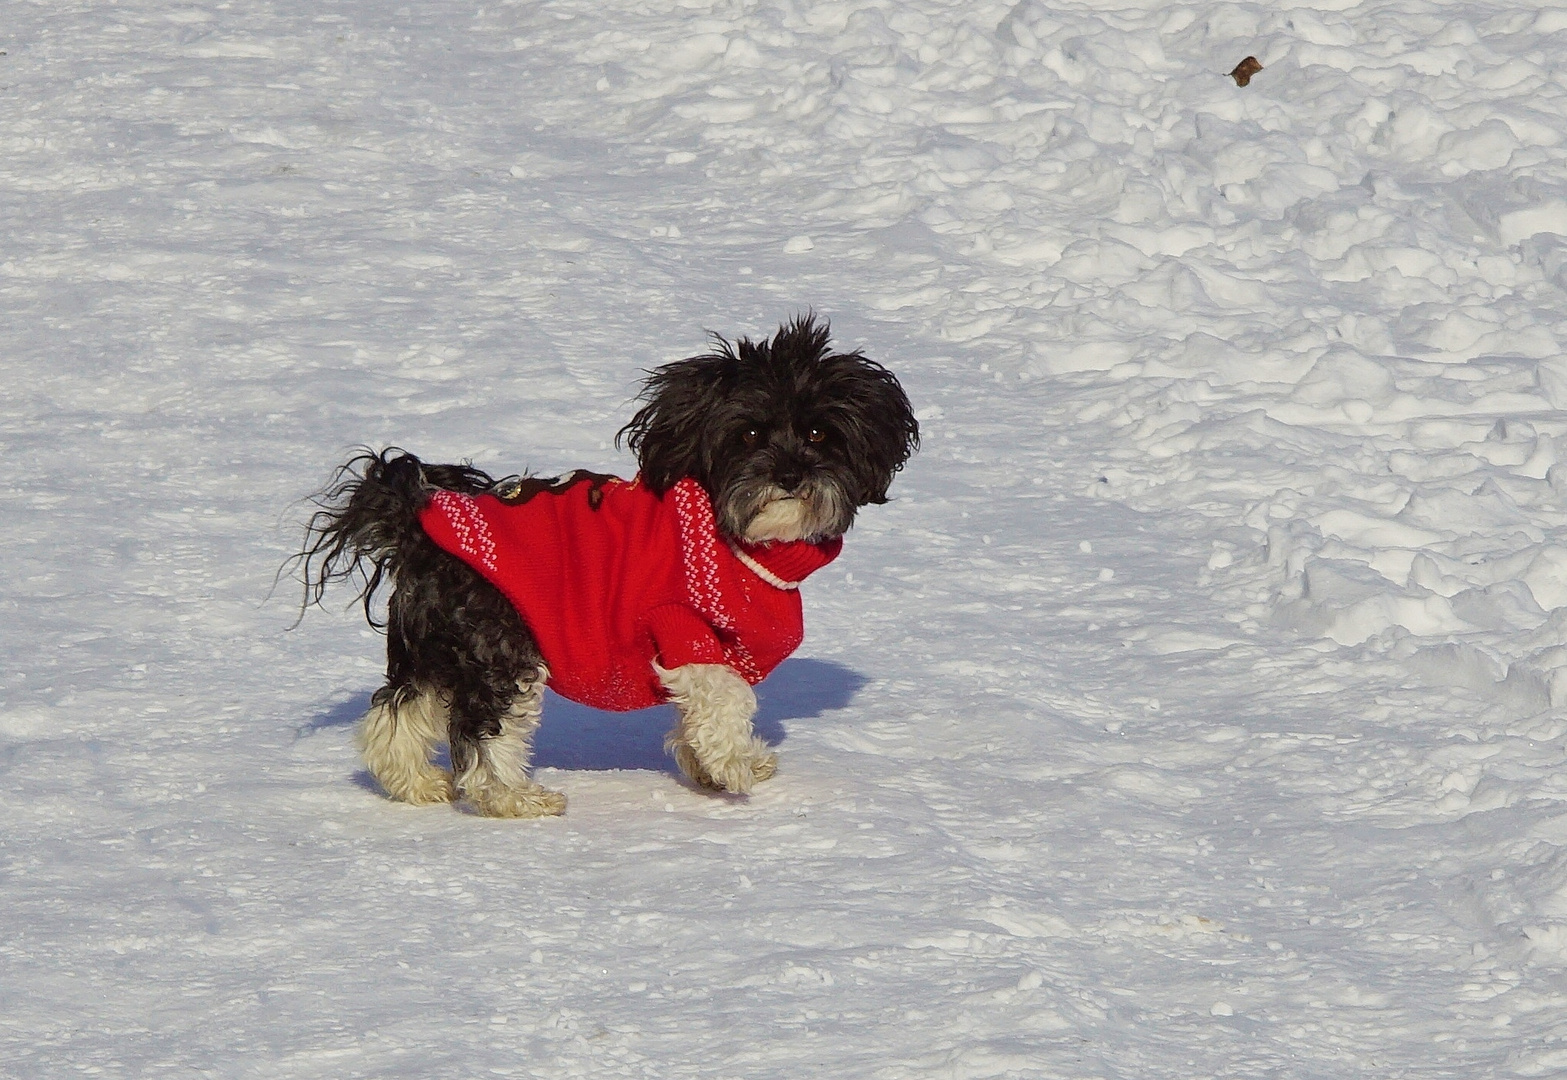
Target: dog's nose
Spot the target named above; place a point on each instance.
(789, 477)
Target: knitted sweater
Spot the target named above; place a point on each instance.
(610, 577)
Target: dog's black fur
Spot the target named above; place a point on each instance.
(747, 421)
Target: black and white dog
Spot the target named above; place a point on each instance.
(678, 585)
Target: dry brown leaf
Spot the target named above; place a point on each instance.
(1245, 70)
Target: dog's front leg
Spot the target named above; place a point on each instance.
(712, 739)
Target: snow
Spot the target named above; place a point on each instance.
(1196, 709)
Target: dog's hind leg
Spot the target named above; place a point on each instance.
(397, 737)
(490, 753)
(712, 740)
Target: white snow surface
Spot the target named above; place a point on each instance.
(1197, 708)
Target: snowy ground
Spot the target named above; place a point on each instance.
(1197, 709)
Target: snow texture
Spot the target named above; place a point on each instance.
(1196, 709)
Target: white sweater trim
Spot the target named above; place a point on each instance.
(761, 571)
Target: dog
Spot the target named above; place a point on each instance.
(679, 585)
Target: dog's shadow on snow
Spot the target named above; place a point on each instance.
(576, 737)
(342, 714)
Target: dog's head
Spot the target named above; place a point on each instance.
(789, 438)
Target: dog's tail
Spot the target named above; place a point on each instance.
(368, 521)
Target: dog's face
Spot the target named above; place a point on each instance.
(788, 438)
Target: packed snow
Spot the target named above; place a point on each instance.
(1197, 708)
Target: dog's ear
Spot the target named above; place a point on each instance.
(669, 433)
(865, 401)
(875, 420)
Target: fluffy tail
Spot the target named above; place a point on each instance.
(368, 521)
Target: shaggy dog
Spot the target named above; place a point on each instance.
(678, 585)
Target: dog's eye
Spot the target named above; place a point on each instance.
(752, 436)
(816, 435)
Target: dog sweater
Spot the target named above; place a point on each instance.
(610, 577)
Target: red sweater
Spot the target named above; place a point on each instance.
(610, 577)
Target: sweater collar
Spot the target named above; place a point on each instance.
(784, 564)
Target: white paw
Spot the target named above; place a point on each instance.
(530, 802)
(735, 773)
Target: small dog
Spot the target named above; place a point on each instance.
(678, 585)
